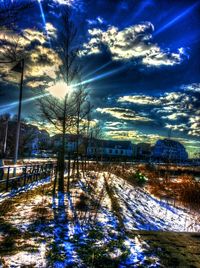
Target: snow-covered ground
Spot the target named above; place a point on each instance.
(142, 211)
(66, 235)
(23, 189)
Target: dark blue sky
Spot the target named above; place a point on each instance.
(141, 59)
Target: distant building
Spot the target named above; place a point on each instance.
(71, 142)
(168, 150)
(110, 149)
(143, 151)
(40, 140)
(31, 139)
(95, 148)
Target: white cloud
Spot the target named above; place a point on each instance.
(175, 116)
(195, 87)
(131, 43)
(125, 114)
(98, 20)
(114, 125)
(180, 108)
(43, 62)
(140, 99)
(76, 4)
(40, 60)
(194, 126)
(133, 135)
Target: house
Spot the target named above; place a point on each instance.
(168, 150)
(143, 151)
(94, 148)
(40, 140)
(71, 142)
(32, 139)
(110, 149)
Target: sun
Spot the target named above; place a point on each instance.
(60, 90)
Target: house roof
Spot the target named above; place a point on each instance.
(171, 143)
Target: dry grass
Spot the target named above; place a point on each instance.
(184, 190)
(172, 183)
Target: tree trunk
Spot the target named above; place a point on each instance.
(61, 158)
(68, 176)
(61, 170)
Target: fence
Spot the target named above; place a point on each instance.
(13, 177)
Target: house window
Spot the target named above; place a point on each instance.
(116, 151)
(110, 151)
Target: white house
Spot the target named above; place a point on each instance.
(95, 148)
(110, 149)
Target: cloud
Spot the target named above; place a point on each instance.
(39, 83)
(110, 125)
(132, 43)
(41, 61)
(133, 135)
(51, 30)
(75, 4)
(179, 127)
(195, 87)
(125, 114)
(122, 134)
(140, 99)
(32, 35)
(98, 21)
(175, 116)
(194, 125)
(182, 106)
(177, 110)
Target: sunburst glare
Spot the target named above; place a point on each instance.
(60, 90)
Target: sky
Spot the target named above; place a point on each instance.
(140, 61)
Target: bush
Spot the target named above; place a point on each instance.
(141, 180)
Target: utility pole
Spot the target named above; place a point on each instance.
(5, 139)
(19, 68)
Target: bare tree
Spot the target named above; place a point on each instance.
(10, 14)
(65, 114)
(96, 140)
(10, 11)
(80, 115)
(87, 132)
(59, 114)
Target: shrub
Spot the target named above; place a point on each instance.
(140, 178)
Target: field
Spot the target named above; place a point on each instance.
(112, 217)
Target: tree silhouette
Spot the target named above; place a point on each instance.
(66, 113)
(10, 11)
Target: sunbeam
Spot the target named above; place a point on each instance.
(101, 76)
(8, 107)
(42, 13)
(143, 6)
(98, 69)
(44, 20)
(177, 18)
